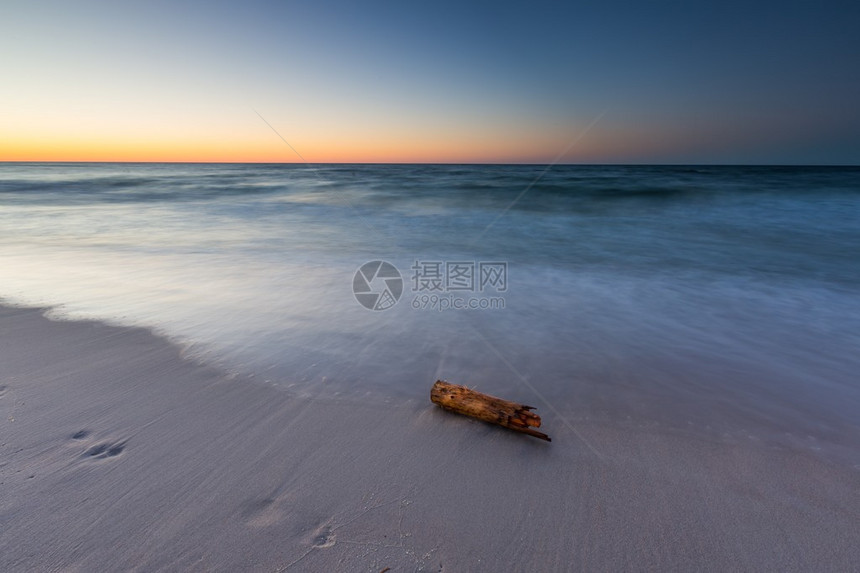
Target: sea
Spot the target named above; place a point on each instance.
(716, 300)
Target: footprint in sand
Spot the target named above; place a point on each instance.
(104, 450)
(323, 537)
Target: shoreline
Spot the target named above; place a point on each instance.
(118, 453)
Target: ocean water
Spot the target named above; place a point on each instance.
(718, 300)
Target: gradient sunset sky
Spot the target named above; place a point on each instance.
(469, 82)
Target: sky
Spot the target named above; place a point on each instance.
(615, 81)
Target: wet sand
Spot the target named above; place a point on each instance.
(117, 453)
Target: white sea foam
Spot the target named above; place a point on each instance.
(673, 307)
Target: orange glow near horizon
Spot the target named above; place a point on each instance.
(244, 138)
(95, 152)
(268, 148)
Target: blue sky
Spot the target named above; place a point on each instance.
(608, 82)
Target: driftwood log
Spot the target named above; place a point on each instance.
(468, 402)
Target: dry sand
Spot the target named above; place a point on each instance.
(118, 454)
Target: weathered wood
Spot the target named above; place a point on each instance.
(462, 400)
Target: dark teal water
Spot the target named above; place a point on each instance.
(714, 299)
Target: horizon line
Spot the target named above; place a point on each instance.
(484, 163)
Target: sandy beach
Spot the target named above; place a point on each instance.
(119, 454)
